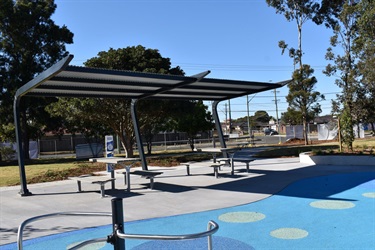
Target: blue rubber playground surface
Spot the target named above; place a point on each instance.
(327, 212)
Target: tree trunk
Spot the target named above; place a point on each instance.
(358, 130)
(128, 146)
(191, 143)
(149, 148)
(299, 26)
(305, 135)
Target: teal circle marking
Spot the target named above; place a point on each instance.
(369, 195)
(328, 204)
(241, 217)
(289, 233)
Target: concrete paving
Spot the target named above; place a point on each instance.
(174, 193)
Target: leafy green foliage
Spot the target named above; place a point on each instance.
(350, 65)
(301, 98)
(6, 153)
(346, 129)
(261, 116)
(364, 48)
(291, 116)
(30, 42)
(328, 12)
(192, 117)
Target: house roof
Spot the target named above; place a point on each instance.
(65, 80)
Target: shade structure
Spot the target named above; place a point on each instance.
(64, 80)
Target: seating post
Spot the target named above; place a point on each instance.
(216, 171)
(102, 191)
(79, 186)
(127, 178)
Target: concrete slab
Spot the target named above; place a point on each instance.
(174, 193)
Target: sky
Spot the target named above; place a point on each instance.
(234, 39)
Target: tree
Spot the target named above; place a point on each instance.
(301, 97)
(30, 42)
(328, 12)
(261, 116)
(192, 117)
(364, 48)
(75, 119)
(345, 33)
(156, 115)
(291, 117)
(102, 111)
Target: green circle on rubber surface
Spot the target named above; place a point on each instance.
(241, 217)
(328, 204)
(369, 195)
(289, 233)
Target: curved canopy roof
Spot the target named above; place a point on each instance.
(73, 81)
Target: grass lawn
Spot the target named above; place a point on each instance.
(43, 171)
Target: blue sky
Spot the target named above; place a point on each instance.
(234, 39)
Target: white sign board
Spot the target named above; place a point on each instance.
(109, 146)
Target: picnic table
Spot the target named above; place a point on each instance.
(111, 161)
(215, 151)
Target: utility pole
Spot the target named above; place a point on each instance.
(277, 117)
(230, 118)
(226, 118)
(248, 116)
(248, 113)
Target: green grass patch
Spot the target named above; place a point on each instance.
(41, 171)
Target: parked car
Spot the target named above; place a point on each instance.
(270, 131)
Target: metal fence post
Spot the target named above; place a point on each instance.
(117, 224)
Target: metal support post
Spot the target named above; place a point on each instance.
(20, 154)
(218, 126)
(117, 224)
(138, 134)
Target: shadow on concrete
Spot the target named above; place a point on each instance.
(172, 188)
(332, 180)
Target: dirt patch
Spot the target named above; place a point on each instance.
(297, 141)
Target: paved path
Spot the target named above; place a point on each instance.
(174, 193)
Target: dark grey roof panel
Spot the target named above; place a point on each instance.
(73, 81)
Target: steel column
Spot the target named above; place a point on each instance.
(117, 224)
(138, 134)
(218, 126)
(20, 154)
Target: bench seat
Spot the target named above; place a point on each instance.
(232, 160)
(143, 173)
(101, 180)
(215, 165)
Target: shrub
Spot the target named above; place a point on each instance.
(6, 153)
(317, 152)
